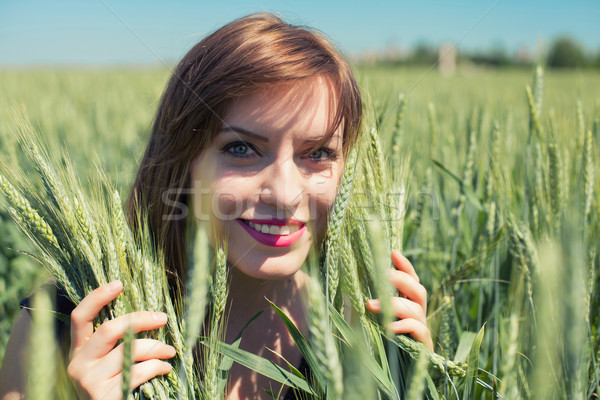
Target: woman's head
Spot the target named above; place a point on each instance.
(245, 57)
(268, 179)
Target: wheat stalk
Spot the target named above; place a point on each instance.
(588, 175)
(538, 88)
(508, 369)
(555, 175)
(42, 354)
(334, 226)
(322, 338)
(447, 336)
(417, 384)
(397, 134)
(41, 233)
(535, 126)
(433, 126)
(219, 294)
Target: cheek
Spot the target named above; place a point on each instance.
(220, 201)
(230, 195)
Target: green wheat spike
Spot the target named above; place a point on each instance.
(397, 134)
(336, 220)
(535, 126)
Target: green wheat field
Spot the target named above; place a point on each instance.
(499, 173)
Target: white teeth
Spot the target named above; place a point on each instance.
(273, 229)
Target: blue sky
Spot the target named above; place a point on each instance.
(135, 31)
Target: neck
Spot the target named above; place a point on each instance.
(251, 294)
(248, 296)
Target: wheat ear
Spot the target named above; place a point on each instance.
(336, 220)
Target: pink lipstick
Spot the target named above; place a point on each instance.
(276, 240)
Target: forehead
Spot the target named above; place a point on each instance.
(304, 108)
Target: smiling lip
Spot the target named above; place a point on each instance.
(274, 240)
(276, 221)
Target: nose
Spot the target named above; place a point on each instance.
(283, 187)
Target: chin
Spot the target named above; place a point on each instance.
(268, 267)
(264, 262)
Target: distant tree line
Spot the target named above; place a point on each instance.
(566, 52)
(563, 52)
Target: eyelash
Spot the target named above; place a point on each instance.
(330, 154)
(228, 147)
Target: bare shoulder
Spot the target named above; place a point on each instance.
(12, 377)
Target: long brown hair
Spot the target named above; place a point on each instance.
(243, 56)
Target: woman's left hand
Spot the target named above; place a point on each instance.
(411, 309)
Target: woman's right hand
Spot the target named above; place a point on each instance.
(96, 365)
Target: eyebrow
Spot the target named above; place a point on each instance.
(316, 140)
(245, 132)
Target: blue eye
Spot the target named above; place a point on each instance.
(322, 154)
(238, 149)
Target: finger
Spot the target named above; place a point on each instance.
(144, 371)
(416, 329)
(109, 333)
(82, 316)
(409, 287)
(146, 349)
(142, 350)
(140, 373)
(402, 308)
(402, 264)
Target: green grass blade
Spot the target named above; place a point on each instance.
(465, 344)
(226, 362)
(261, 365)
(381, 376)
(303, 345)
(473, 364)
(466, 190)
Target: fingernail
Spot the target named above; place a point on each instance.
(114, 286)
(374, 303)
(172, 351)
(159, 316)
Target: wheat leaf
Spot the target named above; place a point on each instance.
(261, 365)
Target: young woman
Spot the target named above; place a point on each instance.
(251, 135)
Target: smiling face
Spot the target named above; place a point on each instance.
(267, 181)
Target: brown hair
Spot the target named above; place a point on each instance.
(243, 56)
